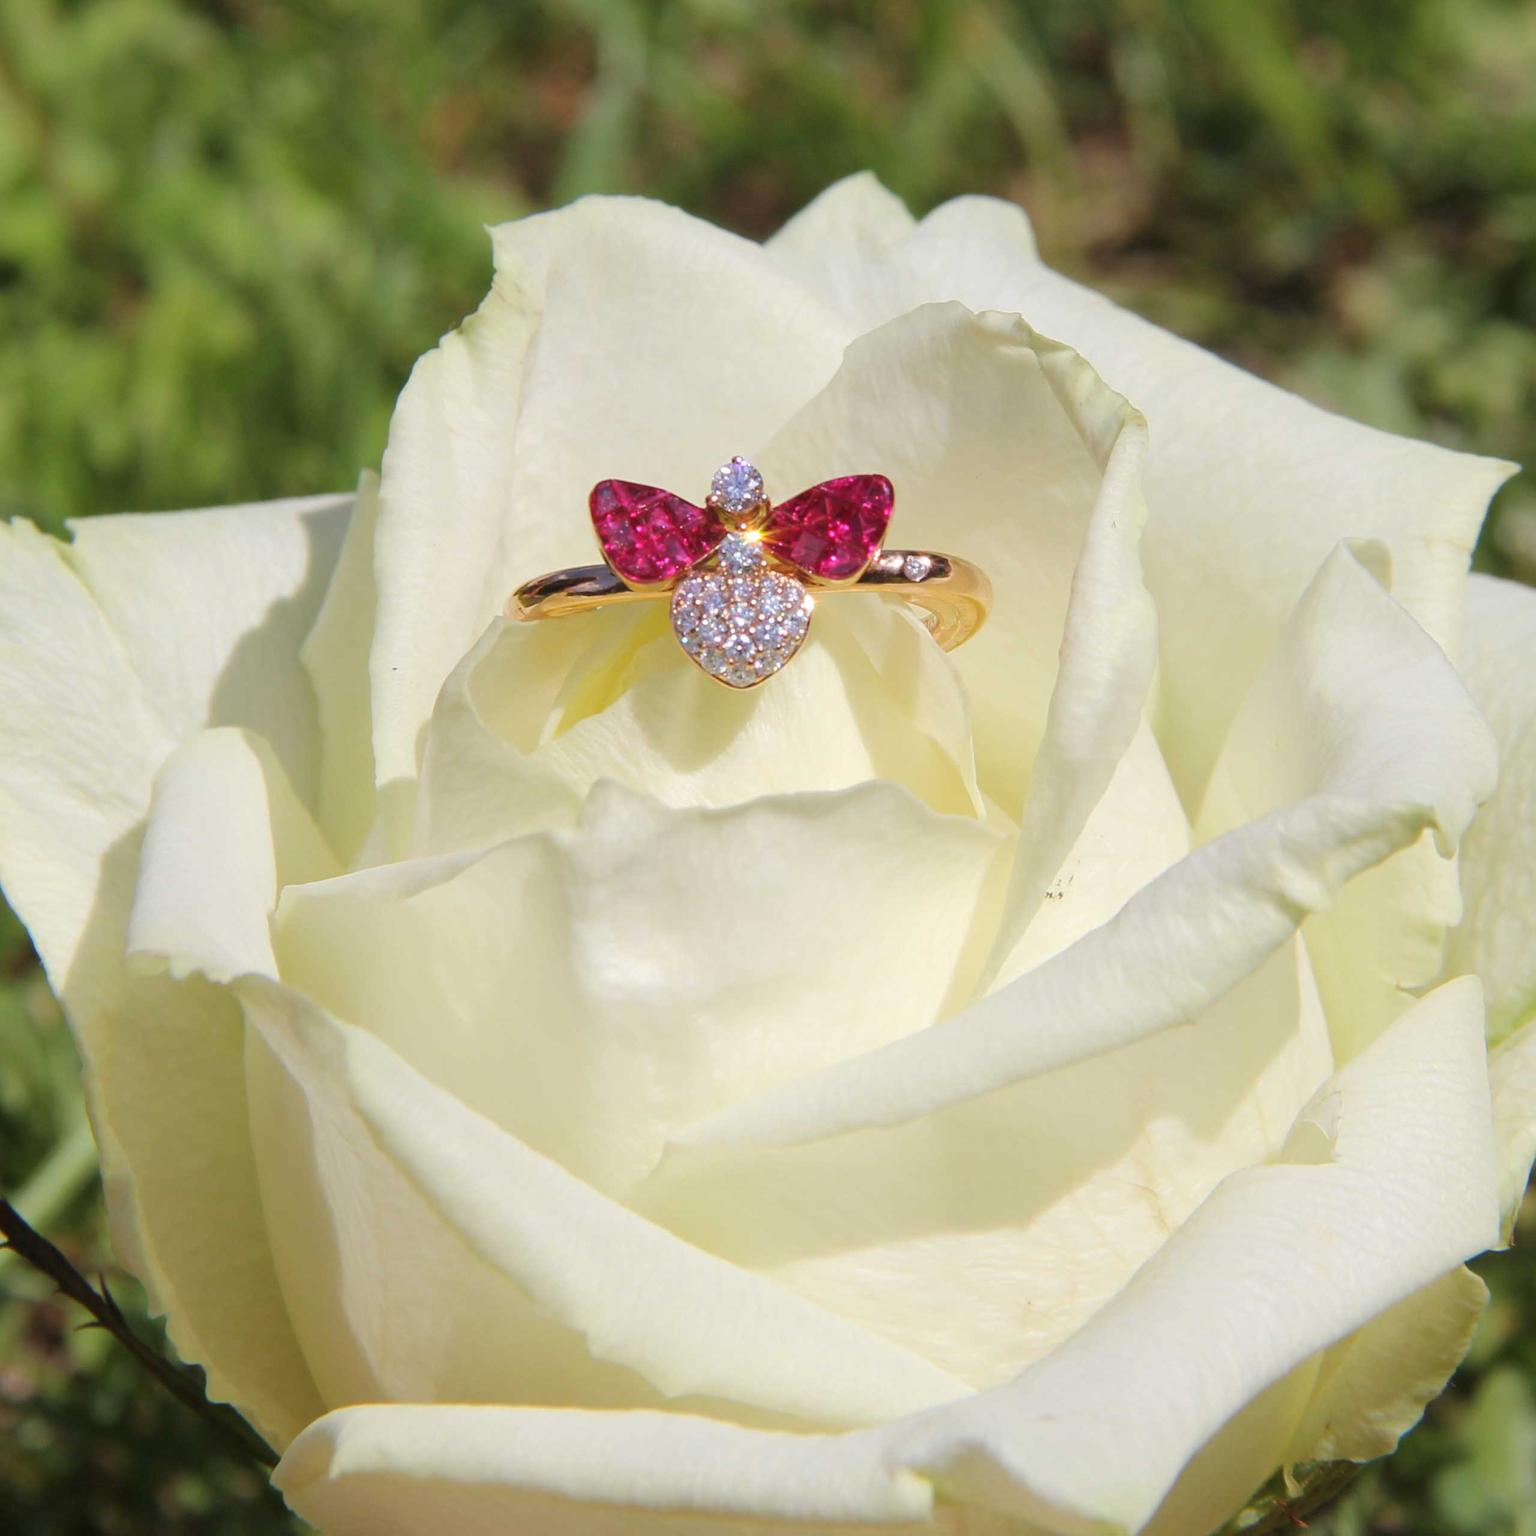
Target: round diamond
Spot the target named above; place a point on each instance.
(737, 488)
(712, 594)
(739, 553)
(915, 567)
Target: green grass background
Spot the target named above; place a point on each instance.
(227, 228)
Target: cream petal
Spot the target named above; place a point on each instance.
(1280, 1262)
(1373, 767)
(225, 829)
(1384, 935)
(1249, 486)
(985, 1234)
(398, 1470)
(127, 641)
(219, 602)
(857, 247)
(617, 958)
(1091, 1438)
(387, 1302)
(1497, 936)
(83, 743)
(335, 657)
(225, 832)
(621, 338)
(1512, 1069)
(210, 609)
(1223, 1475)
(1136, 831)
(840, 241)
(1373, 1386)
(1497, 939)
(464, 1196)
(166, 1090)
(1004, 449)
(528, 724)
(1095, 720)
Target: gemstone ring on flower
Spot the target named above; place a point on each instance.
(742, 572)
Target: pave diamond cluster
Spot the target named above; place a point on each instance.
(742, 620)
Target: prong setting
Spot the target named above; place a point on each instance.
(737, 496)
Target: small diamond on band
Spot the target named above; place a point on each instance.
(915, 567)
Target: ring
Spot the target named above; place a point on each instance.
(743, 574)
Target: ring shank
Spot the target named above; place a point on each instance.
(954, 595)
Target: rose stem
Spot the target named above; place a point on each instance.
(35, 1249)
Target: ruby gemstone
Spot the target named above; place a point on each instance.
(648, 535)
(833, 529)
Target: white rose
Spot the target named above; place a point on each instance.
(1016, 1090)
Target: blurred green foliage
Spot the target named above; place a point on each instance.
(227, 227)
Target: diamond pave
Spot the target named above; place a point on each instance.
(741, 623)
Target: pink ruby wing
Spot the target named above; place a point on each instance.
(648, 535)
(833, 530)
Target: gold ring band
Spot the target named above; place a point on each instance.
(952, 594)
(742, 575)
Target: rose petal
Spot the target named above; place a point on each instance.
(210, 609)
(621, 338)
(91, 713)
(1004, 449)
(124, 643)
(1512, 1071)
(1385, 934)
(1280, 1262)
(399, 1161)
(397, 1470)
(1108, 653)
(840, 241)
(224, 821)
(335, 657)
(856, 246)
(1374, 1385)
(1238, 1459)
(530, 721)
(1249, 486)
(1376, 755)
(984, 1234)
(83, 743)
(618, 958)
(1497, 938)
(1204, 1329)
(1136, 831)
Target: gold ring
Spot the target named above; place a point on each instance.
(743, 575)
